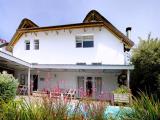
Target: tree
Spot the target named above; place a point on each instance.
(146, 60)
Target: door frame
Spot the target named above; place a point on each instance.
(93, 82)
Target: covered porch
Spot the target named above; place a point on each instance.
(86, 80)
(89, 80)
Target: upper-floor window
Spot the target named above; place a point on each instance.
(36, 44)
(27, 45)
(84, 41)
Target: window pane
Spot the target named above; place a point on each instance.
(84, 41)
(27, 41)
(79, 38)
(36, 47)
(87, 44)
(98, 85)
(78, 45)
(36, 41)
(27, 45)
(88, 38)
(36, 44)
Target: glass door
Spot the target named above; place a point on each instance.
(98, 86)
(89, 86)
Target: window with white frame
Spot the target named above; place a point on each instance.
(36, 44)
(27, 45)
(84, 41)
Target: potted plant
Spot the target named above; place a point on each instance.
(122, 95)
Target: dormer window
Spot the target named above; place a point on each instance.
(36, 44)
(84, 41)
(27, 45)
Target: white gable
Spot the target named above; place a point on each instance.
(58, 47)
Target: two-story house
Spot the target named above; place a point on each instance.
(90, 55)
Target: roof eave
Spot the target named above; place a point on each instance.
(20, 32)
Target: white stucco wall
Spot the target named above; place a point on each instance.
(60, 48)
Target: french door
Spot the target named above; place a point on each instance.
(89, 85)
(98, 86)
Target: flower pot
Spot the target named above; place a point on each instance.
(122, 97)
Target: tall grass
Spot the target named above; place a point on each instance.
(52, 109)
(144, 108)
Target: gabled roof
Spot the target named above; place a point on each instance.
(93, 19)
(26, 23)
(94, 16)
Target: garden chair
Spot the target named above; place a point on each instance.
(40, 93)
(55, 93)
(71, 93)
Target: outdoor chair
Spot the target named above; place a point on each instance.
(55, 93)
(71, 94)
(40, 93)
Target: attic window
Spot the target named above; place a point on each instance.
(27, 45)
(36, 44)
(84, 41)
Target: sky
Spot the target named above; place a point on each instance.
(142, 15)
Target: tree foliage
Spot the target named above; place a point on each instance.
(146, 59)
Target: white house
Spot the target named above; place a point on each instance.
(86, 55)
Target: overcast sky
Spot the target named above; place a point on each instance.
(142, 15)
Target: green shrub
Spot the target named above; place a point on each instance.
(8, 86)
(121, 90)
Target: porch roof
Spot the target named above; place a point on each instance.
(83, 67)
(9, 61)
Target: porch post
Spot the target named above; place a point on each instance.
(128, 78)
(29, 82)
